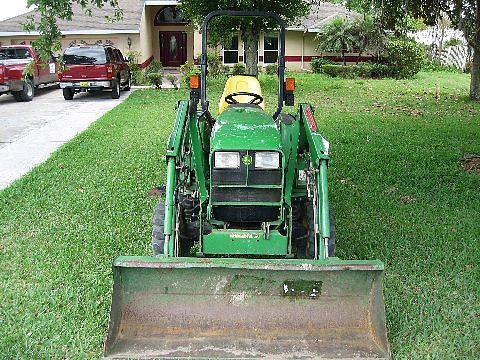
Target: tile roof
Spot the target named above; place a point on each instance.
(132, 14)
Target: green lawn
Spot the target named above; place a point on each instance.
(397, 188)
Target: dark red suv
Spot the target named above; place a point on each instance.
(94, 68)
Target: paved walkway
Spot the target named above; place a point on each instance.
(31, 132)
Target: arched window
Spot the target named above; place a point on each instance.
(169, 15)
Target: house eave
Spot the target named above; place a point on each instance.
(71, 32)
(313, 30)
(161, 2)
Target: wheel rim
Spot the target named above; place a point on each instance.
(29, 90)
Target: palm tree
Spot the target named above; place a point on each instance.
(336, 36)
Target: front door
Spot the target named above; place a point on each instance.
(173, 48)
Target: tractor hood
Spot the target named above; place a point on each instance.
(244, 127)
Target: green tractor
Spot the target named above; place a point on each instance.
(244, 242)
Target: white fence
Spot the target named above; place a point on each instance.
(436, 37)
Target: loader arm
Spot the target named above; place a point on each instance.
(185, 129)
(318, 148)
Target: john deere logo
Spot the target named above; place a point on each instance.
(247, 159)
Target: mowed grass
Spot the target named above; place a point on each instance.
(396, 185)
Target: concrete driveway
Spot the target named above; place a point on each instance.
(30, 132)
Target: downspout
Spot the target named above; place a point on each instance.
(303, 51)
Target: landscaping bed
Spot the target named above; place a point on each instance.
(398, 188)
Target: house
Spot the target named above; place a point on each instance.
(156, 29)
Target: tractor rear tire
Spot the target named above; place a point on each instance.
(311, 232)
(158, 237)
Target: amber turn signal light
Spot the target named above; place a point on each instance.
(194, 82)
(290, 84)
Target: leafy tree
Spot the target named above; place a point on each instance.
(336, 36)
(222, 29)
(50, 11)
(367, 36)
(464, 15)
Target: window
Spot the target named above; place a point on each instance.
(230, 52)
(119, 55)
(270, 49)
(12, 53)
(169, 15)
(86, 56)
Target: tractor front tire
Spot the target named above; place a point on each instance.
(311, 232)
(158, 237)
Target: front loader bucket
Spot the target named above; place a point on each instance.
(246, 308)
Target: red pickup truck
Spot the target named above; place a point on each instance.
(94, 68)
(13, 61)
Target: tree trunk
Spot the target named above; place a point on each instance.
(475, 80)
(250, 37)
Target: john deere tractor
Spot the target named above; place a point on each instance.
(244, 241)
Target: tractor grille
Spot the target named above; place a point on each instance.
(246, 195)
(246, 213)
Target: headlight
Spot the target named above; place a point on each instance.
(227, 160)
(267, 160)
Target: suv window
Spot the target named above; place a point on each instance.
(110, 54)
(85, 56)
(17, 54)
(119, 55)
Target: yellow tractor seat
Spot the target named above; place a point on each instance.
(237, 84)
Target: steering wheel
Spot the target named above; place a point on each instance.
(256, 99)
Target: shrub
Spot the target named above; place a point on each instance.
(155, 79)
(135, 70)
(404, 57)
(154, 67)
(335, 70)
(364, 70)
(136, 74)
(271, 69)
(188, 69)
(172, 79)
(238, 69)
(317, 64)
(453, 42)
(215, 67)
(226, 69)
(371, 70)
(435, 65)
(153, 73)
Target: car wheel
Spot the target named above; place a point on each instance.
(27, 93)
(16, 95)
(116, 89)
(129, 83)
(68, 94)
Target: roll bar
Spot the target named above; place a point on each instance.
(281, 55)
